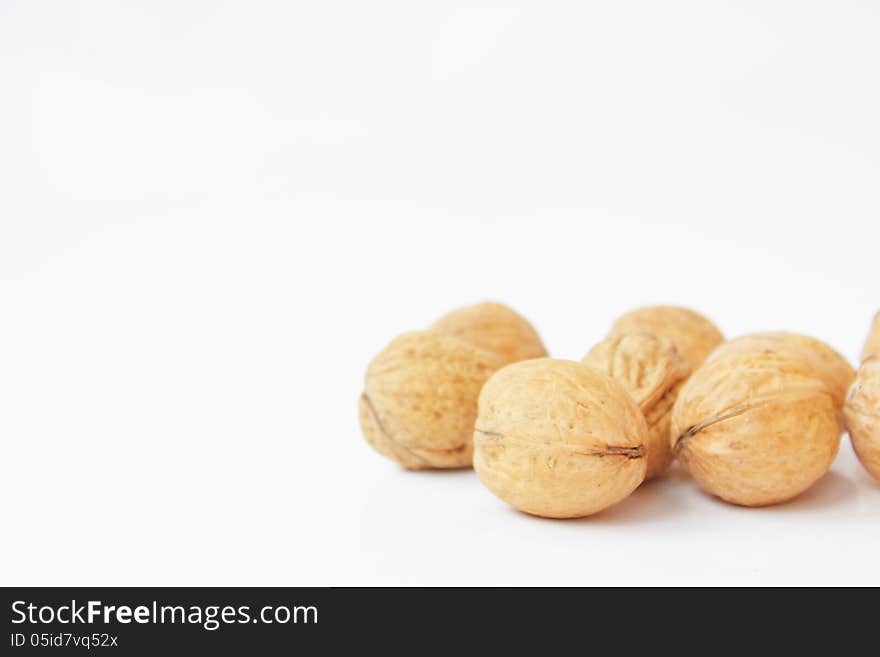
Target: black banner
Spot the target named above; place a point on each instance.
(149, 621)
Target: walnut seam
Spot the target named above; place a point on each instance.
(636, 452)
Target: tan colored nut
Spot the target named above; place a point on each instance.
(756, 425)
(694, 335)
(557, 439)
(872, 344)
(826, 363)
(652, 371)
(862, 409)
(495, 327)
(420, 399)
(862, 413)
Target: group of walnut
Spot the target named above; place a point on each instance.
(755, 420)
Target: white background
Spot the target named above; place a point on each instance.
(213, 214)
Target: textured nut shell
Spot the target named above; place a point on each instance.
(862, 409)
(862, 413)
(651, 370)
(872, 344)
(558, 439)
(694, 335)
(496, 328)
(420, 400)
(755, 427)
(826, 363)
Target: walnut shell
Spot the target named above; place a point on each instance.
(694, 335)
(557, 439)
(872, 344)
(496, 328)
(826, 363)
(862, 409)
(420, 399)
(757, 423)
(652, 371)
(862, 413)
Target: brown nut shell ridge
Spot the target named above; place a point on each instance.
(652, 371)
(693, 334)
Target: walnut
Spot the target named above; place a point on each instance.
(758, 422)
(652, 371)
(496, 328)
(694, 335)
(872, 344)
(826, 363)
(556, 438)
(862, 409)
(420, 399)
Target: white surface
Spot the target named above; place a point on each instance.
(212, 215)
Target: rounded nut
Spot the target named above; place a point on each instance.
(420, 399)
(694, 335)
(755, 424)
(652, 371)
(826, 363)
(557, 439)
(496, 328)
(862, 413)
(872, 344)
(862, 409)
